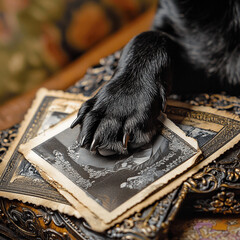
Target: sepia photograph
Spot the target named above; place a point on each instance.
(113, 180)
(16, 172)
(112, 184)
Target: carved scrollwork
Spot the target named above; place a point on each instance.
(224, 172)
(52, 234)
(25, 220)
(205, 181)
(49, 216)
(218, 101)
(6, 138)
(224, 202)
(96, 76)
(144, 224)
(32, 222)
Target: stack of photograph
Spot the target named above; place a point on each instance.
(47, 157)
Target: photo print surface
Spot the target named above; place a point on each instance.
(111, 181)
(109, 186)
(202, 136)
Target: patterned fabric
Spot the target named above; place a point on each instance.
(222, 228)
(38, 37)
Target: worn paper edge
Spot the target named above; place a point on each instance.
(63, 208)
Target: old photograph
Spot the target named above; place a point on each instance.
(110, 185)
(111, 181)
(18, 178)
(201, 135)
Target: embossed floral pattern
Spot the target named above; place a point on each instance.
(225, 202)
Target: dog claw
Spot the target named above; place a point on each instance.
(125, 140)
(75, 123)
(94, 145)
(82, 141)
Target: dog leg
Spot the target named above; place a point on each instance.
(126, 109)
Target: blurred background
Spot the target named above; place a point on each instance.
(39, 37)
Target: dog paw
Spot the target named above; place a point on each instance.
(118, 118)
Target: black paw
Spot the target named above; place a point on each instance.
(119, 117)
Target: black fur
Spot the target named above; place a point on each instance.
(194, 46)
